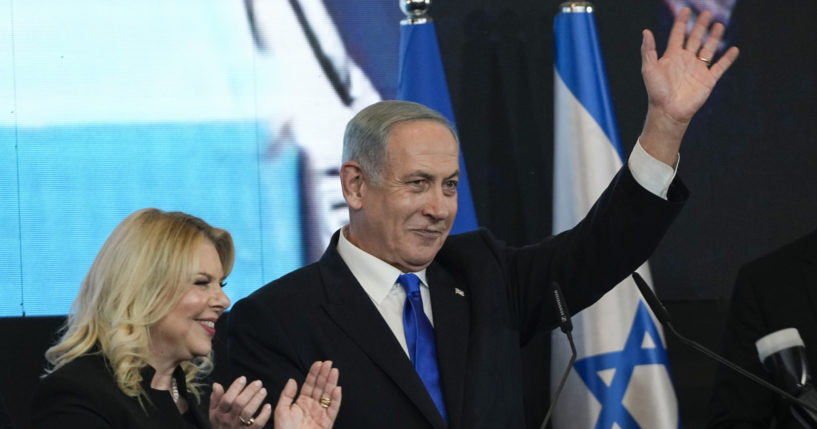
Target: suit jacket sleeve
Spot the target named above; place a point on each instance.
(619, 233)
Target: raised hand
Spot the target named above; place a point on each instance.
(318, 404)
(680, 81)
(236, 407)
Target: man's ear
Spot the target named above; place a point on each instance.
(353, 182)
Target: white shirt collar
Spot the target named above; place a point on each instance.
(375, 275)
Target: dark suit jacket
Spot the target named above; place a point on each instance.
(774, 292)
(320, 312)
(84, 394)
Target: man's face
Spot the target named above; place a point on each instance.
(405, 219)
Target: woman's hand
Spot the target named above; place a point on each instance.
(318, 404)
(236, 407)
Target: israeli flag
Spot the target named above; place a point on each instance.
(621, 377)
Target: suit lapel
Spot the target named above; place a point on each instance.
(449, 305)
(353, 311)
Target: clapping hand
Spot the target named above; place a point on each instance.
(318, 404)
(236, 407)
(315, 408)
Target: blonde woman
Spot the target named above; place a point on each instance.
(135, 348)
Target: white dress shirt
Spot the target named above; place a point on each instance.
(652, 174)
(379, 279)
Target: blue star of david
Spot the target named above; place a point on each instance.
(624, 362)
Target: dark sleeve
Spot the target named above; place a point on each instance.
(59, 403)
(619, 233)
(737, 401)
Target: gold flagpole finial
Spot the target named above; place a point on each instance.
(576, 7)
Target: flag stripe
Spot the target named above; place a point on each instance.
(581, 171)
(579, 62)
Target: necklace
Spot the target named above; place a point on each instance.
(174, 390)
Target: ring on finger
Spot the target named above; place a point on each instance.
(325, 402)
(247, 422)
(708, 61)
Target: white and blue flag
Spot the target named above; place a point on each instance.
(621, 378)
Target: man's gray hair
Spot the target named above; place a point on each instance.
(367, 133)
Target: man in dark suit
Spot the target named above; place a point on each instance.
(484, 299)
(774, 292)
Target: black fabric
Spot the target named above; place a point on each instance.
(5, 418)
(320, 312)
(84, 394)
(774, 292)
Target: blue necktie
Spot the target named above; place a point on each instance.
(420, 340)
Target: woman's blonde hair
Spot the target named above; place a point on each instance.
(142, 271)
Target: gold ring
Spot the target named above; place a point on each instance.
(325, 402)
(708, 61)
(246, 422)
